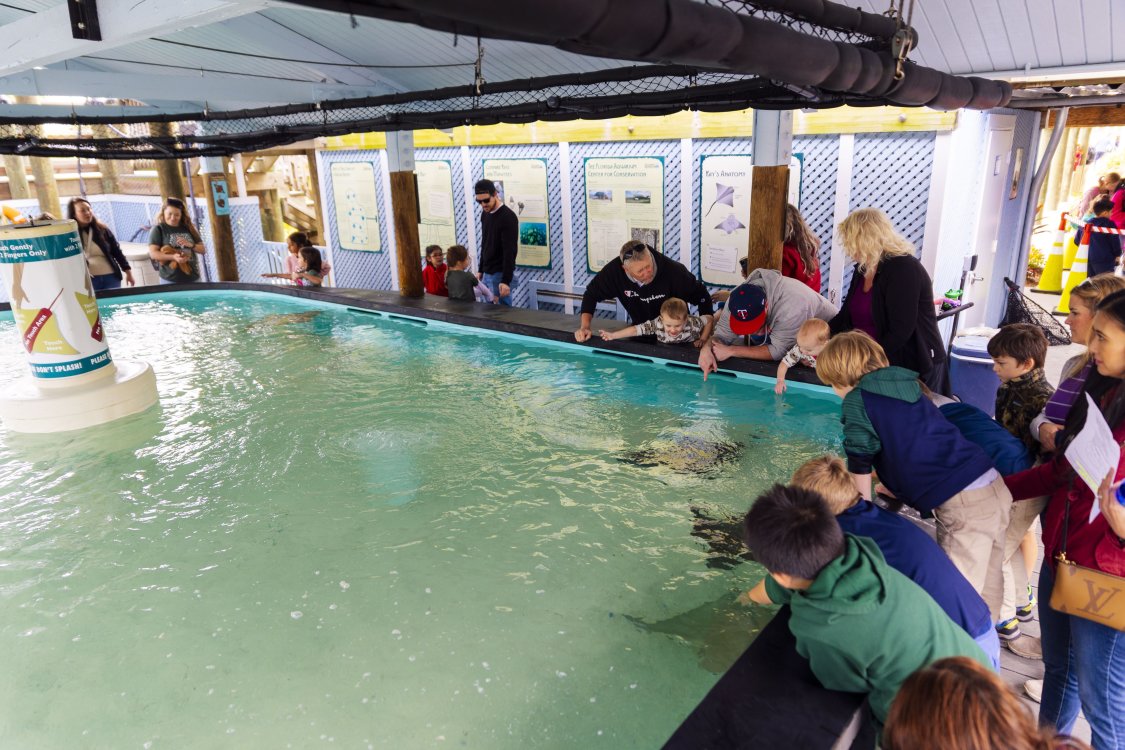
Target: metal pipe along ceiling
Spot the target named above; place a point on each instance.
(688, 32)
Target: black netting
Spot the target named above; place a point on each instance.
(1022, 309)
(639, 90)
(856, 29)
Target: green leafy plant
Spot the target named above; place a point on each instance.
(1036, 259)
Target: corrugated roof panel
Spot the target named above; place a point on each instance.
(992, 28)
(1044, 37)
(1096, 30)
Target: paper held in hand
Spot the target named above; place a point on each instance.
(1093, 452)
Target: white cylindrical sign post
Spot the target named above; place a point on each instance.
(74, 382)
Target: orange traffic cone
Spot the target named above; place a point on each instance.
(1051, 282)
(1077, 273)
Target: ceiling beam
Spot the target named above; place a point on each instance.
(276, 36)
(203, 87)
(1094, 117)
(44, 38)
(16, 111)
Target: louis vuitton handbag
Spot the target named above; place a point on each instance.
(1085, 592)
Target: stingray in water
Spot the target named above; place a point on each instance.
(685, 454)
(723, 536)
(281, 319)
(719, 631)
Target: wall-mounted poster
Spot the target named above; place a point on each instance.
(724, 217)
(624, 200)
(435, 204)
(357, 208)
(522, 185)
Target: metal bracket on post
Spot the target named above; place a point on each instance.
(773, 138)
(400, 151)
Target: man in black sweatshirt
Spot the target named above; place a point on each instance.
(499, 242)
(641, 279)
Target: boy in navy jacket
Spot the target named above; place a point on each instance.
(892, 428)
(906, 548)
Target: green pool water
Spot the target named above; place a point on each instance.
(339, 529)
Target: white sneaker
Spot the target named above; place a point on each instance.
(1034, 689)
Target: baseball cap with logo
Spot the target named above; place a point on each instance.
(747, 305)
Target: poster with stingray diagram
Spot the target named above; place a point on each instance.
(724, 215)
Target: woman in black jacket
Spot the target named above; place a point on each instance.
(891, 297)
(104, 258)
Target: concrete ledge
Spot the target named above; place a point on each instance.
(521, 321)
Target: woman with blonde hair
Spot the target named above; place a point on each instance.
(957, 704)
(799, 252)
(891, 297)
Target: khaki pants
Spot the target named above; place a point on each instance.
(970, 528)
(1021, 519)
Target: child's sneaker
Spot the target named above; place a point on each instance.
(1026, 613)
(1008, 630)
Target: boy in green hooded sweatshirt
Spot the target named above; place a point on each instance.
(863, 626)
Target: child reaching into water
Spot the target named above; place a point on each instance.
(811, 338)
(673, 326)
(461, 284)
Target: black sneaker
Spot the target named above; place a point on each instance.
(1026, 613)
(1008, 630)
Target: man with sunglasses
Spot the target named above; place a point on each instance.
(499, 242)
(762, 318)
(641, 279)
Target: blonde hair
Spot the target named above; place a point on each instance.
(848, 357)
(799, 235)
(674, 308)
(815, 328)
(868, 236)
(1091, 292)
(828, 477)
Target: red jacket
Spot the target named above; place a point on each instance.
(433, 280)
(1093, 545)
(793, 267)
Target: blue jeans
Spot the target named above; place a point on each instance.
(105, 281)
(492, 281)
(1083, 665)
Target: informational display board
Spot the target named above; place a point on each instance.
(522, 185)
(624, 200)
(435, 204)
(357, 207)
(724, 217)
(724, 213)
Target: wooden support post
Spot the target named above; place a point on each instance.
(168, 171)
(16, 169)
(109, 168)
(768, 198)
(769, 193)
(218, 211)
(404, 205)
(1079, 176)
(46, 188)
(404, 198)
(317, 236)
